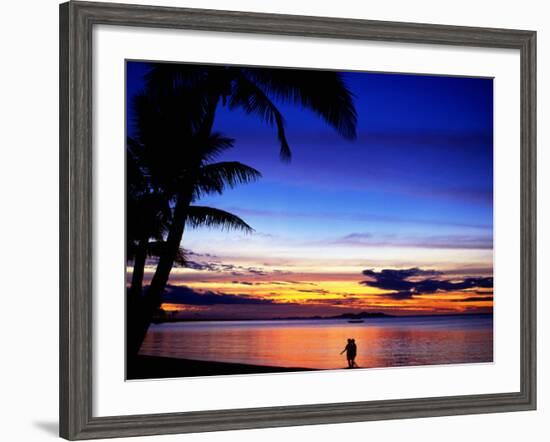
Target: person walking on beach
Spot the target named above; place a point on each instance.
(351, 352)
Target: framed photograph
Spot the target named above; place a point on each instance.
(272, 220)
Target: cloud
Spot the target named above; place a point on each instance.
(192, 253)
(291, 282)
(365, 239)
(195, 265)
(474, 299)
(406, 283)
(256, 271)
(395, 279)
(317, 291)
(270, 282)
(483, 292)
(186, 295)
(348, 302)
(235, 270)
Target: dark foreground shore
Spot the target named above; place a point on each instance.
(153, 367)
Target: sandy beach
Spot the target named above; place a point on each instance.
(153, 367)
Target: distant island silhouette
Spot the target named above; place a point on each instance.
(348, 316)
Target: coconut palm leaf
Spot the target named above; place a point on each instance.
(253, 100)
(253, 89)
(323, 92)
(214, 146)
(135, 176)
(216, 177)
(201, 216)
(163, 79)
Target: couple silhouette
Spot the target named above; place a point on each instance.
(351, 352)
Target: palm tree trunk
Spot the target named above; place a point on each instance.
(169, 253)
(152, 299)
(139, 267)
(140, 310)
(134, 301)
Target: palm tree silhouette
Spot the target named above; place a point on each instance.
(154, 190)
(183, 99)
(149, 212)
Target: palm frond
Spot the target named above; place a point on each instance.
(135, 176)
(165, 78)
(253, 100)
(214, 146)
(201, 216)
(323, 92)
(215, 177)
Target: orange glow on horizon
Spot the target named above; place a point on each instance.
(340, 295)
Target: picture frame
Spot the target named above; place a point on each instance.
(77, 20)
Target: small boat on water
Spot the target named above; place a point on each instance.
(355, 321)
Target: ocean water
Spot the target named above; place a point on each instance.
(381, 342)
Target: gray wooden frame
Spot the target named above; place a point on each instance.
(76, 23)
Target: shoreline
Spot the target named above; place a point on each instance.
(322, 318)
(158, 367)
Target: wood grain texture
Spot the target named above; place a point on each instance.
(76, 166)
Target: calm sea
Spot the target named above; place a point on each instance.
(381, 342)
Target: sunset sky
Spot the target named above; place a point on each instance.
(398, 221)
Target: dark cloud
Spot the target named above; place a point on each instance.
(318, 291)
(395, 279)
(186, 295)
(217, 266)
(474, 299)
(192, 253)
(482, 292)
(271, 283)
(349, 301)
(406, 283)
(295, 282)
(195, 265)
